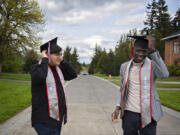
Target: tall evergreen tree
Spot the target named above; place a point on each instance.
(151, 16)
(67, 54)
(95, 59)
(158, 23)
(176, 21)
(163, 21)
(111, 62)
(74, 61)
(72, 58)
(162, 25)
(122, 52)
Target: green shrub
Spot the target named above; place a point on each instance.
(174, 70)
(12, 64)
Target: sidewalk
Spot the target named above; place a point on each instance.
(18, 125)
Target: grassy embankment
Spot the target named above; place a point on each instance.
(14, 96)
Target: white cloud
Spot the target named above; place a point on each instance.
(51, 5)
(80, 12)
(85, 45)
(83, 23)
(132, 20)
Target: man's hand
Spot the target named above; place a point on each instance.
(115, 114)
(44, 54)
(151, 41)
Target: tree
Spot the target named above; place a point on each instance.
(122, 52)
(162, 25)
(111, 62)
(176, 21)
(30, 59)
(158, 23)
(163, 21)
(74, 61)
(102, 65)
(92, 66)
(72, 58)
(67, 54)
(13, 63)
(20, 21)
(151, 16)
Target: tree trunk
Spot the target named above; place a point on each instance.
(0, 67)
(0, 63)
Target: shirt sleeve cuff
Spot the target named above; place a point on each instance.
(155, 55)
(44, 60)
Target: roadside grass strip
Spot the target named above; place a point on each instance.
(106, 77)
(14, 97)
(170, 99)
(160, 85)
(163, 85)
(170, 79)
(25, 77)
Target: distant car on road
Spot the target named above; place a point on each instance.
(84, 72)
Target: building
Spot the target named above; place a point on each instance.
(172, 49)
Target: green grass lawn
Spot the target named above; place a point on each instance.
(170, 98)
(171, 79)
(14, 97)
(26, 77)
(167, 85)
(116, 82)
(105, 76)
(175, 79)
(157, 85)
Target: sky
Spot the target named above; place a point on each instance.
(82, 24)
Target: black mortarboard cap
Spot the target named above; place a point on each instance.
(53, 46)
(140, 41)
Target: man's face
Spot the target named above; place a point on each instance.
(56, 58)
(139, 54)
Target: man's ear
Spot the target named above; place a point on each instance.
(47, 54)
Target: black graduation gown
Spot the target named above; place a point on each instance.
(40, 113)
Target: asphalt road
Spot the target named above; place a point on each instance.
(90, 103)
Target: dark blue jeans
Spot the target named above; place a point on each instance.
(131, 124)
(43, 130)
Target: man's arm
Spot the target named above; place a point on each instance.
(158, 65)
(115, 114)
(68, 72)
(159, 68)
(39, 71)
(121, 82)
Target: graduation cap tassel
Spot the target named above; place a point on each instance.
(131, 55)
(49, 51)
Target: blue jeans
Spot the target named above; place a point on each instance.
(43, 130)
(131, 124)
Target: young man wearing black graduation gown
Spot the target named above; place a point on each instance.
(48, 95)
